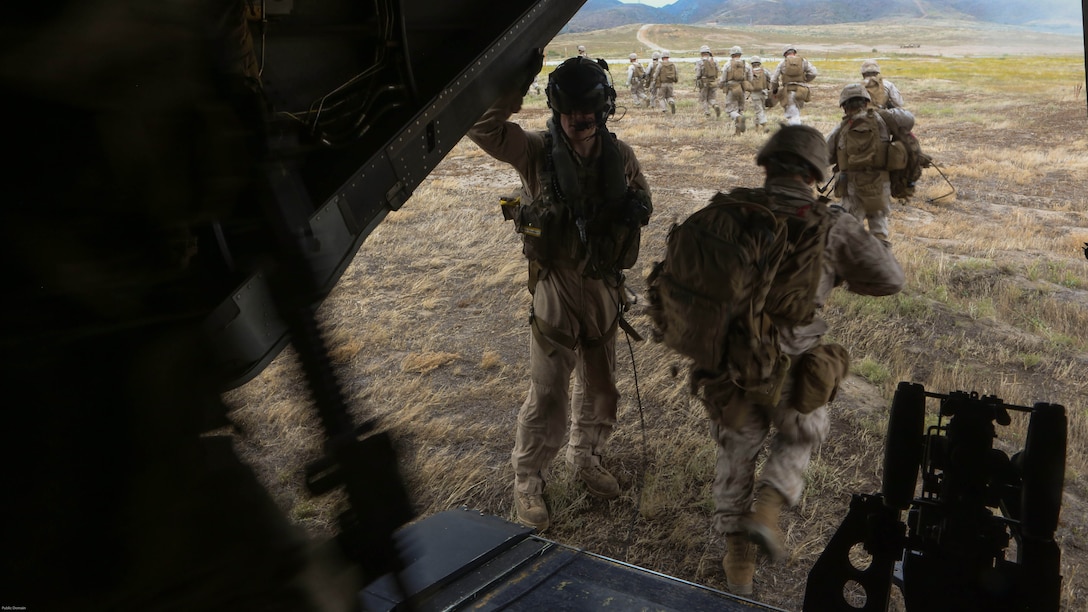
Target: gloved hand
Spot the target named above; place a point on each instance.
(532, 68)
(638, 207)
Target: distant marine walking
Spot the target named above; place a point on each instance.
(789, 83)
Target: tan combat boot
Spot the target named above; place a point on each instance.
(741, 124)
(599, 483)
(531, 510)
(672, 105)
(717, 112)
(739, 563)
(761, 523)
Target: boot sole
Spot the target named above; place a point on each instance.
(599, 494)
(540, 527)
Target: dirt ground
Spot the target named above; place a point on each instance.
(686, 159)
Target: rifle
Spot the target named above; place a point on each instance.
(950, 554)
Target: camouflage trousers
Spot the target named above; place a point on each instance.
(758, 98)
(664, 96)
(708, 99)
(583, 310)
(796, 437)
(868, 196)
(638, 94)
(734, 100)
(792, 107)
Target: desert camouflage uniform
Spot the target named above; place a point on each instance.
(651, 80)
(867, 193)
(636, 81)
(862, 265)
(663, 83)
(784, 86)
(735, 89)
(705, 79)
(583, 309)
(761, 89)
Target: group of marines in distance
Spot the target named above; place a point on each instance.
(864, 188)
(740, 79)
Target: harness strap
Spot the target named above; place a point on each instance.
(542, 330)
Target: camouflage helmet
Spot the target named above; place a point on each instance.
(665, 53)
(787, 50)
(633, 57)
(583, 85)
(735, 50)
(704, 49)
(854, 90)
(656, 55)
(755, 60)
(803, 141)
(581, 48)
(869, 66)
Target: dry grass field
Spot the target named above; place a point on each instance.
(428, 326)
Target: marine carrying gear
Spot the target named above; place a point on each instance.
(667, 73)
(860, 146)
(710, 71)
(905, 178)
(736, 76)
(733, 272)
(793, 69)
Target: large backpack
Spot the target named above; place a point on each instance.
(668, 72)
(904, 180)
(793, 69)
(710, 69)
(734, 271)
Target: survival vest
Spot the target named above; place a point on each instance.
(875, 87)
(563, 228)
(733, 272)
(638, 73)
(668, 73)
(793, 69)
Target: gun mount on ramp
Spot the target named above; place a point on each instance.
(951, 554)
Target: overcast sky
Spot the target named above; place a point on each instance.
(649, 2)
